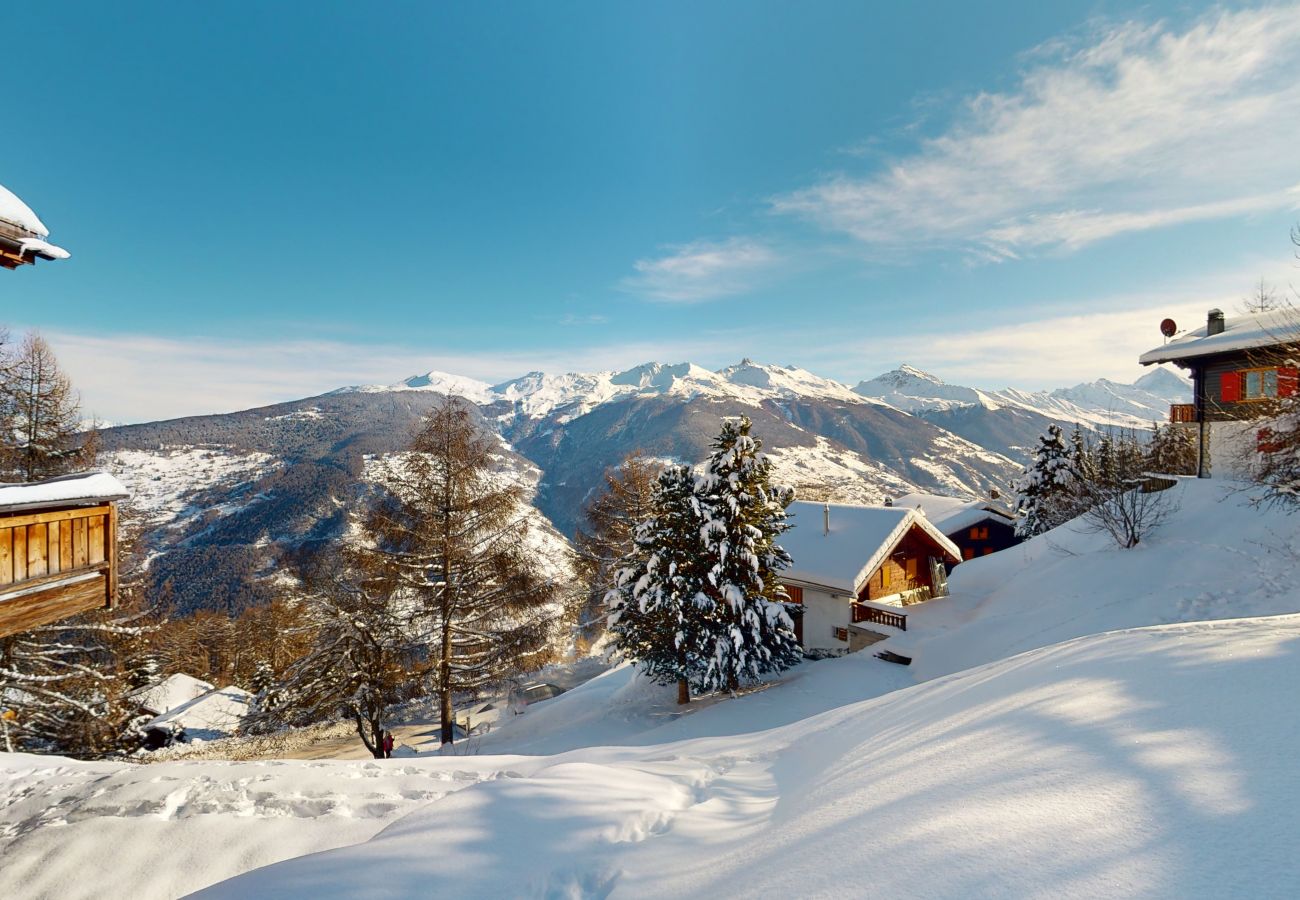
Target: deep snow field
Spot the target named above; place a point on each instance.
(1150, 762)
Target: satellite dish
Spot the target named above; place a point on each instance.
(1168, 328)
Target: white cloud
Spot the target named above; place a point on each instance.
(1057, 348)
(574, 319)
(701, 270)
(1144, 127)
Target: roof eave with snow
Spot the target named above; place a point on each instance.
(1250, 332)
(85, 489)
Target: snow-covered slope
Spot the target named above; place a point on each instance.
(1152, 762)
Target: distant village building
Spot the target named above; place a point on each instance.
(172, 692)
(856, 568)
(977, 527)
(1240, 366)
(23, 237)
(209, 716)
(58, 549)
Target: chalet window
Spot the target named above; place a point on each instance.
(911, 568)
(884, 575)
(795, 593)
(1257, 384)
(968, 553)
(841, 634)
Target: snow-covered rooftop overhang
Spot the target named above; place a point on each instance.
(42, 248)
(70, 490)
(951, 514)
(1250, 332)
(23, 236)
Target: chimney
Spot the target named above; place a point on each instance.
(1214, 324)
(889, 501)
(826, 519)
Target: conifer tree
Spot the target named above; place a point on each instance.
(42, 416)
(1172, 451)
(451, 534)
(752, 633)
(1045, 491)
(657, 603)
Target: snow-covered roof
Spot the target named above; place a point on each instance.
(171, 693)
(42, 248)
(213, 715)
(1249, 332)
(89, 487)
(859, 539)
(952, 514)
(16, 212)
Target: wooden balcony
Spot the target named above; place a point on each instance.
(58, 554)
(1182, 412)
(863, 612)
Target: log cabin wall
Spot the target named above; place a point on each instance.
(906, 568)
(55, 563)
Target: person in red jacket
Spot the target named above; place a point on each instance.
(388, 745)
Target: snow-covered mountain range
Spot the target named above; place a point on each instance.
(225, 498)
(1102, 403)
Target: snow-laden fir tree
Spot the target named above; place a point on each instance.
(657, 604)
(1172, 450)
(744, 513)
(452, 535)
(1045, 492)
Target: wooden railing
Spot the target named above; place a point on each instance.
(864, 613)
(1182, 412)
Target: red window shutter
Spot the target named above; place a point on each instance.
(1286, 381)
(1230, 387)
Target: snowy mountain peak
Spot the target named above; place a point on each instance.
(911, 389)
(1166, 384)
(446, 383)
(916, 373)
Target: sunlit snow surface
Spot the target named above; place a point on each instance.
(1156, 762)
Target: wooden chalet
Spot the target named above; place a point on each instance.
(857, 568)
(1240, 367)
(23, 237)
(977, 527)
(58, 549)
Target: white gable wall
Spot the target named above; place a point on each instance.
(823, 612)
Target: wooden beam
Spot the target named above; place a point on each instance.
(76, 512)
(30, 611)
(111, 582)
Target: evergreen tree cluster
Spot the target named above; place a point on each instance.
(1103, 479)
(697, 600)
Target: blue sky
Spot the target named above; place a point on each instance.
(265, 201)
